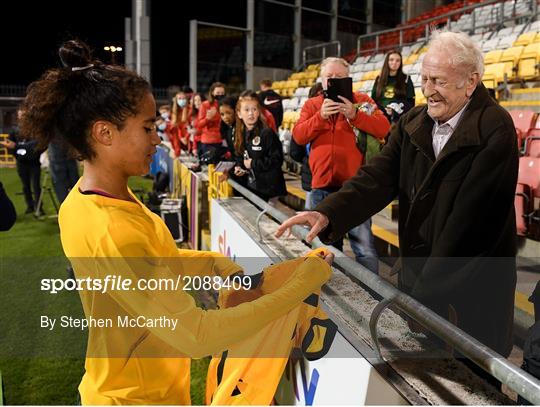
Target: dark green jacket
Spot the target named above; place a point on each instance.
(457, 229)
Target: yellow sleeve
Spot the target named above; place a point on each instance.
(199, 332)
(208, 263)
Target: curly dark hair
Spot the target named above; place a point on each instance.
(65, 102)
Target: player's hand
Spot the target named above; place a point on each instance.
(326, 256)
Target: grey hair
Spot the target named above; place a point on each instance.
(337, 60)
(463, 51)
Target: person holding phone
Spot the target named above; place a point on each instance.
(327, 125)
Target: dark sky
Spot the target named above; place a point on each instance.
(32, 33)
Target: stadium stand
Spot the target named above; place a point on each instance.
(524, 121)
(528, 189)
(510, 40)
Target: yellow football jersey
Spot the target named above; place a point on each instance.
(104, 236)
(249, 371)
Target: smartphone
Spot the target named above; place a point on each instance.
(339, 87)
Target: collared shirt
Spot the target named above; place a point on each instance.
(442, 132)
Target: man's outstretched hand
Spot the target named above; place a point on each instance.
(316, 220)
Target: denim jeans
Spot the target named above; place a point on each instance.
(64, 175)
(360, 237)
(307, 204)
(30, 175)
(64, 170)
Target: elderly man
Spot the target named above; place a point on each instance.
(327, 126)
(453, 164)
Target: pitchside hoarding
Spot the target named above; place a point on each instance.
(343, 376)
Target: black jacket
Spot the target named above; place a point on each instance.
(266, 152)
(272, 101)
(26, 150)
(227, 134)
(8, 216)
(298, 153)
(457, 231)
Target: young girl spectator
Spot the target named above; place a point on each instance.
(194, 133)
(393, 90)
(209, 119)
(178, 126)
(106, 231)
(162, 122)
(257, 148)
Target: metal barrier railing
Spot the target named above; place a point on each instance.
(515, 378)
(323, 47)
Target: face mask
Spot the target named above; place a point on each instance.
(181, 102)
(219, 97)
(164, 115)
(162, 126)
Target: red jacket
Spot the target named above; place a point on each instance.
(209, 128)
(334, 157)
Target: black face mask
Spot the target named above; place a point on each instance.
(219, 97)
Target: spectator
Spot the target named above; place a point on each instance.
(208, 119)
(334, 156)
(64, 169)
(393, 90)
(258, 150)
(453, 164)
(531, 347)
(8, 216)
(301, 154)
(271, 101)
(194, 133)
(104, 229)
(162, 122)
(268, 118)
(178, 132)
(27, 155)
(188, 92)
(227, 111)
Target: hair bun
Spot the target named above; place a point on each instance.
(75, 53)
